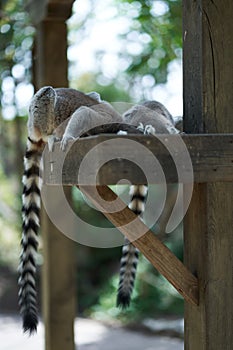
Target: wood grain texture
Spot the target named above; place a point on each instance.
(211, 156)
(192, 67)
(195, 250)
(144, 239)
(59, 288)
(208, 86)
(44, 9)
(59, 294)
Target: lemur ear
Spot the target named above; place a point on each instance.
(179, 123)
(46, 91)
(44, 94)
(94, 95)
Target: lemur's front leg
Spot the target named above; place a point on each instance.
(83, 120)
(80, 121)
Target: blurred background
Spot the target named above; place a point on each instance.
(127, 51)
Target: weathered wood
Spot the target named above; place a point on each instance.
(144, 239)
(195, 243)
(49, 9)
(59, 289)
(51, 45)
(208, 84)
(211, 156)
(192, 67)
(50, 68)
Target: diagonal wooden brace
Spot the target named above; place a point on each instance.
(153, 249)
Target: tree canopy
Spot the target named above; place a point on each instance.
(16, 40)
(149, 38)
(157, 26)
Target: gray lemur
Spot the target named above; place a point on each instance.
(49, 113)
(65, 114)
(152, 118)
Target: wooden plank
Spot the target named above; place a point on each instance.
(154, 250)
(208, 84)
(211, 156)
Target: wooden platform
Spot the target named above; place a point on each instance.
(210, 156)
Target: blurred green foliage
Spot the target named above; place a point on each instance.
(153, 40)
(153, 296)
(16, 40)
(98, 273)
(157, 26)
(9, 221)
(111, 92)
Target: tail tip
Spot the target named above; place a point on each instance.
(123, 300)
(30, 323)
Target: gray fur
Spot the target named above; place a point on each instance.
(151, 117)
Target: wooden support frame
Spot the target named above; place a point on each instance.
(203, 150)
(62, 168)
(196, 243)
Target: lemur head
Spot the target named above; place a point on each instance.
(41, 112)
(158, 107)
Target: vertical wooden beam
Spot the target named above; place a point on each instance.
(208, 104)
(51, 49)
(59, 294)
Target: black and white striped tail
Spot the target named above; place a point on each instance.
(130, 254)
(29, 242)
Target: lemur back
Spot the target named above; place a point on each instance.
(152, 118)
(49, 113)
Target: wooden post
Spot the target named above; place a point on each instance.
(208, 105)
(50, 68)
(59, 292)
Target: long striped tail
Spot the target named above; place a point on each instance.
(29, 241)
(130, 254)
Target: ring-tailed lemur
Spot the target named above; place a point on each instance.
(49, 114)
(152, 118)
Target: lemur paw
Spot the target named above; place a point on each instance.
(149, 130)
(141, 127)
(122, 132)
(51, 141)
(64, 141)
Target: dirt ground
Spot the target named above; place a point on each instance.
(89, 335)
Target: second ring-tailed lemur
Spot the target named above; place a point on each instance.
(153, 118)
(65, 114)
